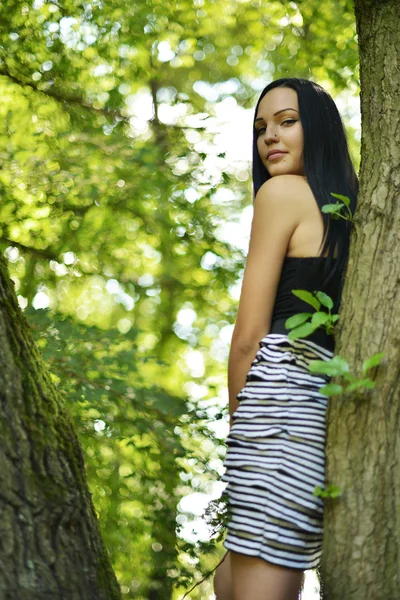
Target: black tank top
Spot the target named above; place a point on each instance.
(304, 273)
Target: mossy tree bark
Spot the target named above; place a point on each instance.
(50, 543)
(361, 549)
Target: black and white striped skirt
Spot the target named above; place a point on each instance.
(276, 456)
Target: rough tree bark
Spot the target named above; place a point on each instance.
(50, 543)
(361, 549)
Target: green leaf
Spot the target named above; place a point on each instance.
(296, 320)
(301, 331)
(319, 366)
(349, 377)
(335, 366)
(318, 319)
(325, 299)
(307, 297)
(331, 208)
(372, 361)
(344, 199)
(331, 389)
(333, 491)
(368, 383)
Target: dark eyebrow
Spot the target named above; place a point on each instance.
(277, 113)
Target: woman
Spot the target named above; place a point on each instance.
(276, 442)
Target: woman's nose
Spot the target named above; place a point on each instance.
(270, 137)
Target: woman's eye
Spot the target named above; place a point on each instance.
(290, 121)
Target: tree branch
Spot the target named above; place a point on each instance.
(115, 114)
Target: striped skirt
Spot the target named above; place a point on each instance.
(276, 456)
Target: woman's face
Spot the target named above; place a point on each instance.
(278, 127)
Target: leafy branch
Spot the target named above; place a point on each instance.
(337, 365)
(299, 323)
(334, 209)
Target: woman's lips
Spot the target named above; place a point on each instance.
(276, 155)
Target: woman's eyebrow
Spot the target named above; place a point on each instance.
(277, 113)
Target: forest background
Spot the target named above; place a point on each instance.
(117, 199)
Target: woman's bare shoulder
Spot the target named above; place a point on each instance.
(286, 184)
(292, 192)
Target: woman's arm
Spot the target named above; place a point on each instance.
(239, 363)
(276, 216)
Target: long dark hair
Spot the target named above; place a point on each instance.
(327, 164)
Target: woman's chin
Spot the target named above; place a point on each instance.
(273, 171)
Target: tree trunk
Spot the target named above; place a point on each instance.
(361, 548)
(50, 544)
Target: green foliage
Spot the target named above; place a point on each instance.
(307, 297)
(303, 324)
(126, 427)
(334, 209)
(297, 319)
(330, 491)
(337, 365)
(372, 361)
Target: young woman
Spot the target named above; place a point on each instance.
(276, 442)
